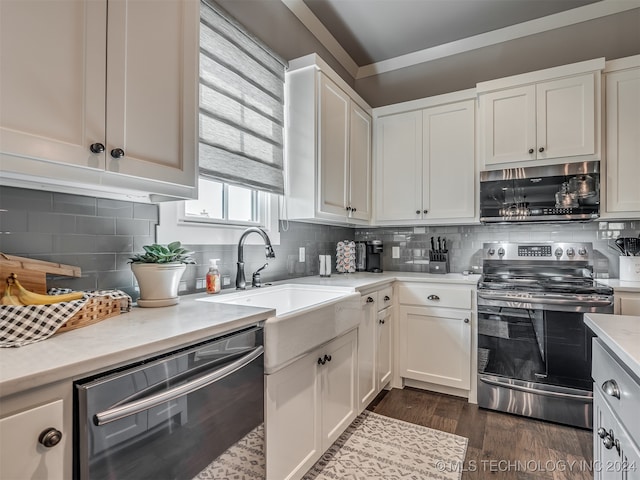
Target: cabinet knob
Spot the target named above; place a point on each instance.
(321, 361)
(327, 358)
(50, 437)
(531, 150)
(96, 148)
(610, 387)
(386, 298)
(602, 432)
(117, 153)
(466, 320)
(433, 297)
(354, 209)
(417, 212)
(541, 149)
(348, 209)
(369, 300)
(381, 321)
(608, 442)
(425, 211)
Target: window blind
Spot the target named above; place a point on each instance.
(241, 105)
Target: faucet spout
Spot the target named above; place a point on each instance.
(241, 283)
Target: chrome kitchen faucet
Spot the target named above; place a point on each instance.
(241, 283)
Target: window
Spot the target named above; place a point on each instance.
(220, 202)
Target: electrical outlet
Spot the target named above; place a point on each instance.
(301, 254)
(200, 283)
(226, 280)
(395, 252)
(182, 286)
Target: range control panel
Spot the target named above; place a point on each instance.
(551, 251)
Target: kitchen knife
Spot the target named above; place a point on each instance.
(439, 245)
(433, 246)
(444, 245)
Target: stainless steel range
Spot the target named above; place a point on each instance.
(534, 350)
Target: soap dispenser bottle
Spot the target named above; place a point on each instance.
(213, 276)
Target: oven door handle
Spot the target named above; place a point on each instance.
(538, 391)
(549, 300)
(137, 406)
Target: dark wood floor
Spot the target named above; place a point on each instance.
(501, 446)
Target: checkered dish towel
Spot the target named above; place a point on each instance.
(24, 324)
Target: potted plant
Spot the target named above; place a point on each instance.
(158, 271)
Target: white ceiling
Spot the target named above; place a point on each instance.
(369, 37)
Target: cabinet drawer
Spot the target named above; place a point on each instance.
(435, 295)
(607, 369)
(385, 297)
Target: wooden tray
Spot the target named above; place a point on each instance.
(31, 273)
(95, 310)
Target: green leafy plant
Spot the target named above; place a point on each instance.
(156, 253)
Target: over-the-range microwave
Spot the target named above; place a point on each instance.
(566, 192)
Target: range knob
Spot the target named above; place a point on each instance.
(491, 251)
(501, 251)
(570, 252)
(558, 252)
(582, 252)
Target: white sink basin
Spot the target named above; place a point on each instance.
(306, 316)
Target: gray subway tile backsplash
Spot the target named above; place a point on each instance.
(100, 235)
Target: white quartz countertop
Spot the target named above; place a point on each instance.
(145, 332)
(620, 334)
(620, 286)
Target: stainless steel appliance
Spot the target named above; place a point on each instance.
(566, 192)
(170, 417)
(361, 256)
(374, 256)
(534, 350)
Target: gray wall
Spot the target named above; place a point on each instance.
(100, 235)
(465, 242)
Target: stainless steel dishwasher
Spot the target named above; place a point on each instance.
(170, 416)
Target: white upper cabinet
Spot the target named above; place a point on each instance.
(541, 117)
(622, 84)
(328, 146)
(425, 167)
(100, 98)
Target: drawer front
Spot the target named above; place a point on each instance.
(607, 369)
(435, 295)
(385, 298)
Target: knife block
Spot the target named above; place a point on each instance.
(438, 262)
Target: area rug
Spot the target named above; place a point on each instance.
(373, 447)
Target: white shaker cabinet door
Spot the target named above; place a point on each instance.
(566, 124)
(398, 183)
(623, 143)
(333, 144)
(52, 82)
(359, 163)
(23, 454)
(509, 125)
(152, 64)
(449, 161)
(367, 346)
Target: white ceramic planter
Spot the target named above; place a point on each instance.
(158, 283)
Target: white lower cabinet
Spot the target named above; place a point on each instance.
(29, 421)
(435, 331)
(308, 404)
(374, 345)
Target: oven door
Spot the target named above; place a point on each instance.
(170, 418)
(534, 362)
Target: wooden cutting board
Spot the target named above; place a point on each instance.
(31, 273)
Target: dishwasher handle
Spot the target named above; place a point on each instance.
(137, 406)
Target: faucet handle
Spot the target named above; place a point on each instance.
(255, 280)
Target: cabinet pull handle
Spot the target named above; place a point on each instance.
(348, 209)
(50, 437)
(321, 361)
(386, 298)
(117, 153)
(541, 149)
(466, 320)
(531, 150)
(96, 148)
(327, 358)
(381, 321)
(610, 387)
(425, 211)
(353, 209)
(369, 300)
(433, 297)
